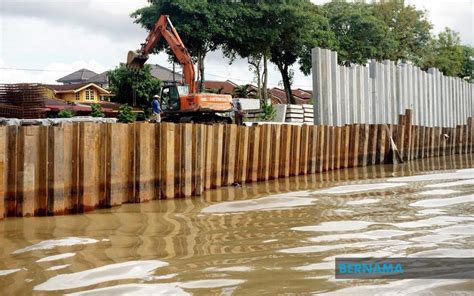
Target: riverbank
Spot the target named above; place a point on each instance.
(74, 168)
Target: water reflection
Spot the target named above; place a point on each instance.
(254, 239)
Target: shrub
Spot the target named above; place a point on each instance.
(125, 114)
(97, 111)
(65, 114)
(269, 112)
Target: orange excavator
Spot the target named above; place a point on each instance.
(181, 103)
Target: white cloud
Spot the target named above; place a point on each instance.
(51, 73)
(97, 34)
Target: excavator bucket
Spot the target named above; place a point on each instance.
(136, 60)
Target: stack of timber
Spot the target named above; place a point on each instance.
(77, 167)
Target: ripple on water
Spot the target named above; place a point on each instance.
(111, 272)
(442, 202)
(338, 226)
(375, 234)
(58, 267)
(64, 242)
(362, 202)
(348, 189)
(460, 174)
(9, 271)
(272, 202)
(451, 184)
(56, 257)
(438, 192)
(161, 289)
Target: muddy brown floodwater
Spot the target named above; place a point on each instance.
(270, 238)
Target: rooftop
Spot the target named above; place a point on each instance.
(78, 76)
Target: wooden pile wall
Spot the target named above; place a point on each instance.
(78, 167)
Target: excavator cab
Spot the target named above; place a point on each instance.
(170, 97)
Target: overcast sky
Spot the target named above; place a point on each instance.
(44, 40)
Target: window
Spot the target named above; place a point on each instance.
(78, 96)
(90, 94)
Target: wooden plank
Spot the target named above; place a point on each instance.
(313, 148)
(217, 156)
(67, 165)
(444, 140)
(186, 160)
(453, 139)
(208, 156)
(199, 154)
(285, 150)
(103, 166)
(167, 144)
(355, 136)
(381, 140)
(433, 141)
(304, 150)
(254, 139)
(372, 145)
(408, 134)
(470, 128)
(90, 165)
(117, 191)
(55, 182)
(363, 144)
(27, 201)
(332, 147)
(321, 149)
(338, 148)
(265, 151)
(295, 150)
(275, 151)
(76, 188)
(12, 171)
(400, 136)
(346, 140)
(327, 147)
(3, 168)
(230, 145)
(242, 154)
(465, 144)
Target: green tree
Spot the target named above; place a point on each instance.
(126, 114)
(134, 87)
(407, 26)
(249, 34)
(241, 91)
(467, 70)
(65, 113)
(445, 53)
(360, 35)
(300, 26)
(195, 23)
(97, 111)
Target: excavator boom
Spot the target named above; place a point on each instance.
(164, 29)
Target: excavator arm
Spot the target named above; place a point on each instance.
(165, 29)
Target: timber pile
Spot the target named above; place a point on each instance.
(77, 167)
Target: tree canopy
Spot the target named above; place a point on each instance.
(133, 87)
(285, 31)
